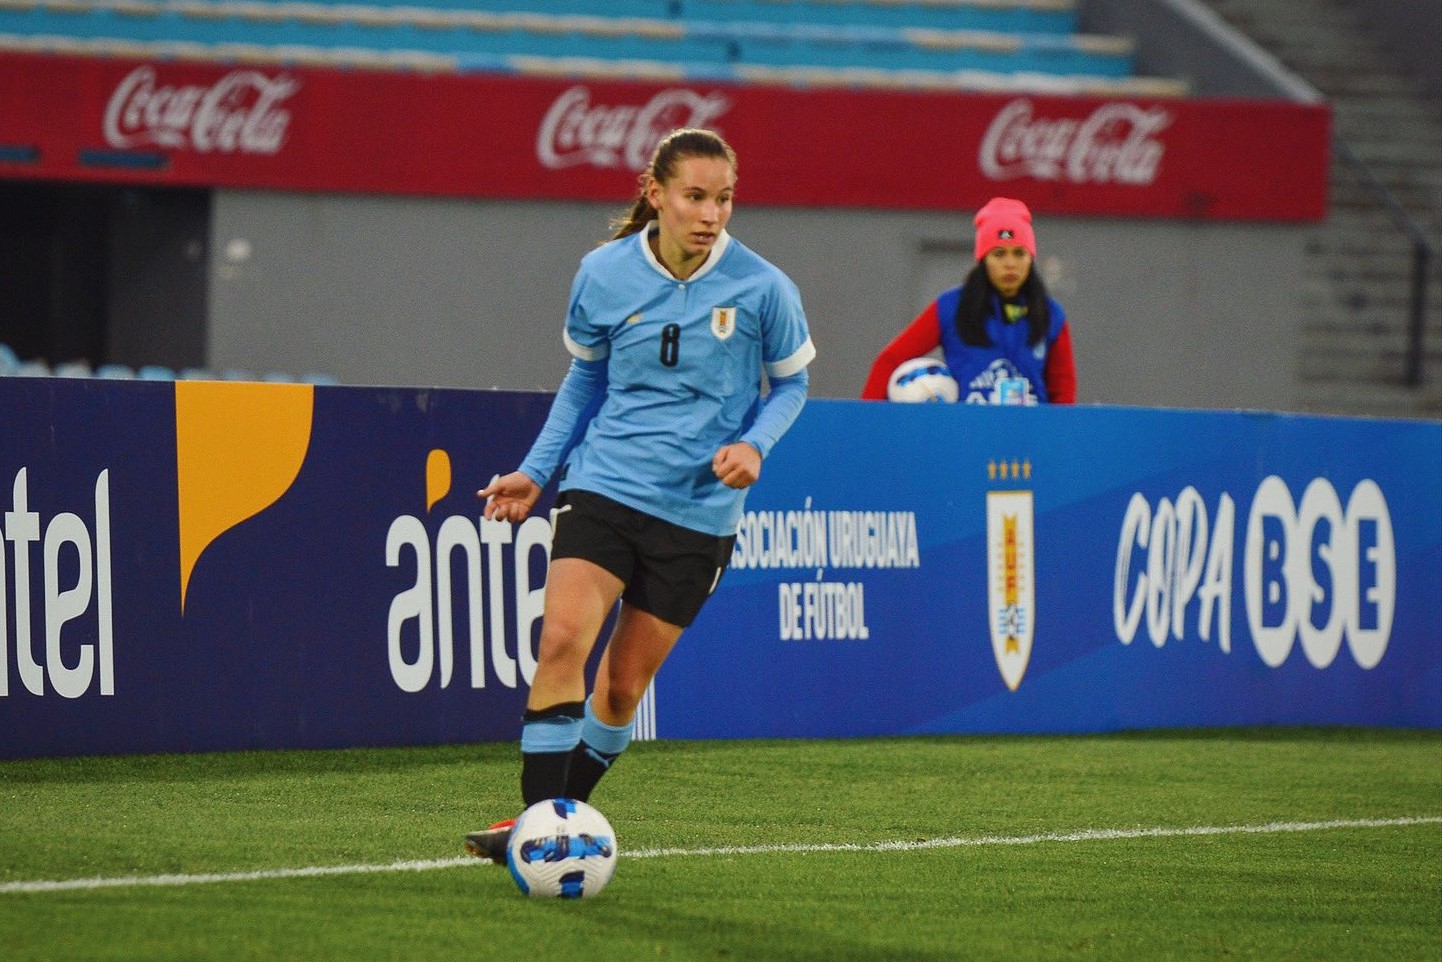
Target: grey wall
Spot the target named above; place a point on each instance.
(1186, 40)
(1411, 31)
(394, 290)
(385, 290)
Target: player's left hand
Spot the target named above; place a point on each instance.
(509, 497)
(737, 465)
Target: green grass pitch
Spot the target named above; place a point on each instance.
(1308, 844)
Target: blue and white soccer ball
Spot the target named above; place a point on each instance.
(562, 848)
(922, 380)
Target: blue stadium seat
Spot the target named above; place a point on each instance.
(486, 40)
(1043, 16)
(1037, 16)
(72, 369)
(928, 44)
(12, 366)
(649, 9)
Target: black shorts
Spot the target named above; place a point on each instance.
(669, 571)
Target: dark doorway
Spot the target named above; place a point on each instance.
(103, 274)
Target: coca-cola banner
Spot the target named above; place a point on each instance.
(541, 138)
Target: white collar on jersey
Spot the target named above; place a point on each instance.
(723, 240)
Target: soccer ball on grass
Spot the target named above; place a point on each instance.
(561, 848)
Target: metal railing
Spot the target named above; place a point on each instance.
(1424, 256)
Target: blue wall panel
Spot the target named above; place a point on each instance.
(927, 662)
(901, 570)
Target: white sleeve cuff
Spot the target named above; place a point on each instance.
(788, 366)
(583, 353)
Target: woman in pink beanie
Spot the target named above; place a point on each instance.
(1005, 340)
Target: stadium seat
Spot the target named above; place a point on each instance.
(964, 42)
(12, 366)
(72, 369)
(32, 368)
(9, 360)
(1040, 16)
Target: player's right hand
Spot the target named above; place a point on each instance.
(509, 497)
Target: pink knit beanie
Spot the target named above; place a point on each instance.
(1003, 221)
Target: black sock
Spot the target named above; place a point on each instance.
(587, 765)
(544, 775)
(548, 732)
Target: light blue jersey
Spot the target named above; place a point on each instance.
(680, 366)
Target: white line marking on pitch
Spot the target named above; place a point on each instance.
(1087, 835)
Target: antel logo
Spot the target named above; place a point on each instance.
(74, 573)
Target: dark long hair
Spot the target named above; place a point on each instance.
(977, 292)
(674, 147)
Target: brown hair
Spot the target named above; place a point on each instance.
(677, 145)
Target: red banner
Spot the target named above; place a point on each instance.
(196, 124)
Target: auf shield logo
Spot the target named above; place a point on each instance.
(1011, 579)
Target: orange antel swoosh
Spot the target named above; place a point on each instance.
(238, 448)
(438, 476)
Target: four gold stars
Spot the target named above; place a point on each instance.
(1008, 470)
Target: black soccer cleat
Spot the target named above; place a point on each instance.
(490, 844)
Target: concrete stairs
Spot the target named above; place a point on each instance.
(1356, 293)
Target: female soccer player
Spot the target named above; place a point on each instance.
(1004, 339)
(656, 432)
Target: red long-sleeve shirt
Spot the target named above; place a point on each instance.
(923, 335)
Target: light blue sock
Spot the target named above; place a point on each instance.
(608, 740)
(550, 733)
(599, 746)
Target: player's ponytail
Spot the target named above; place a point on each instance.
(678, 144)
(635, 220)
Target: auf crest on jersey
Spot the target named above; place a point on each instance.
(723, 322)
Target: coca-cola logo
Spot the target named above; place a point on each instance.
(576, 131)
(240, 113)
(1116, 143)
